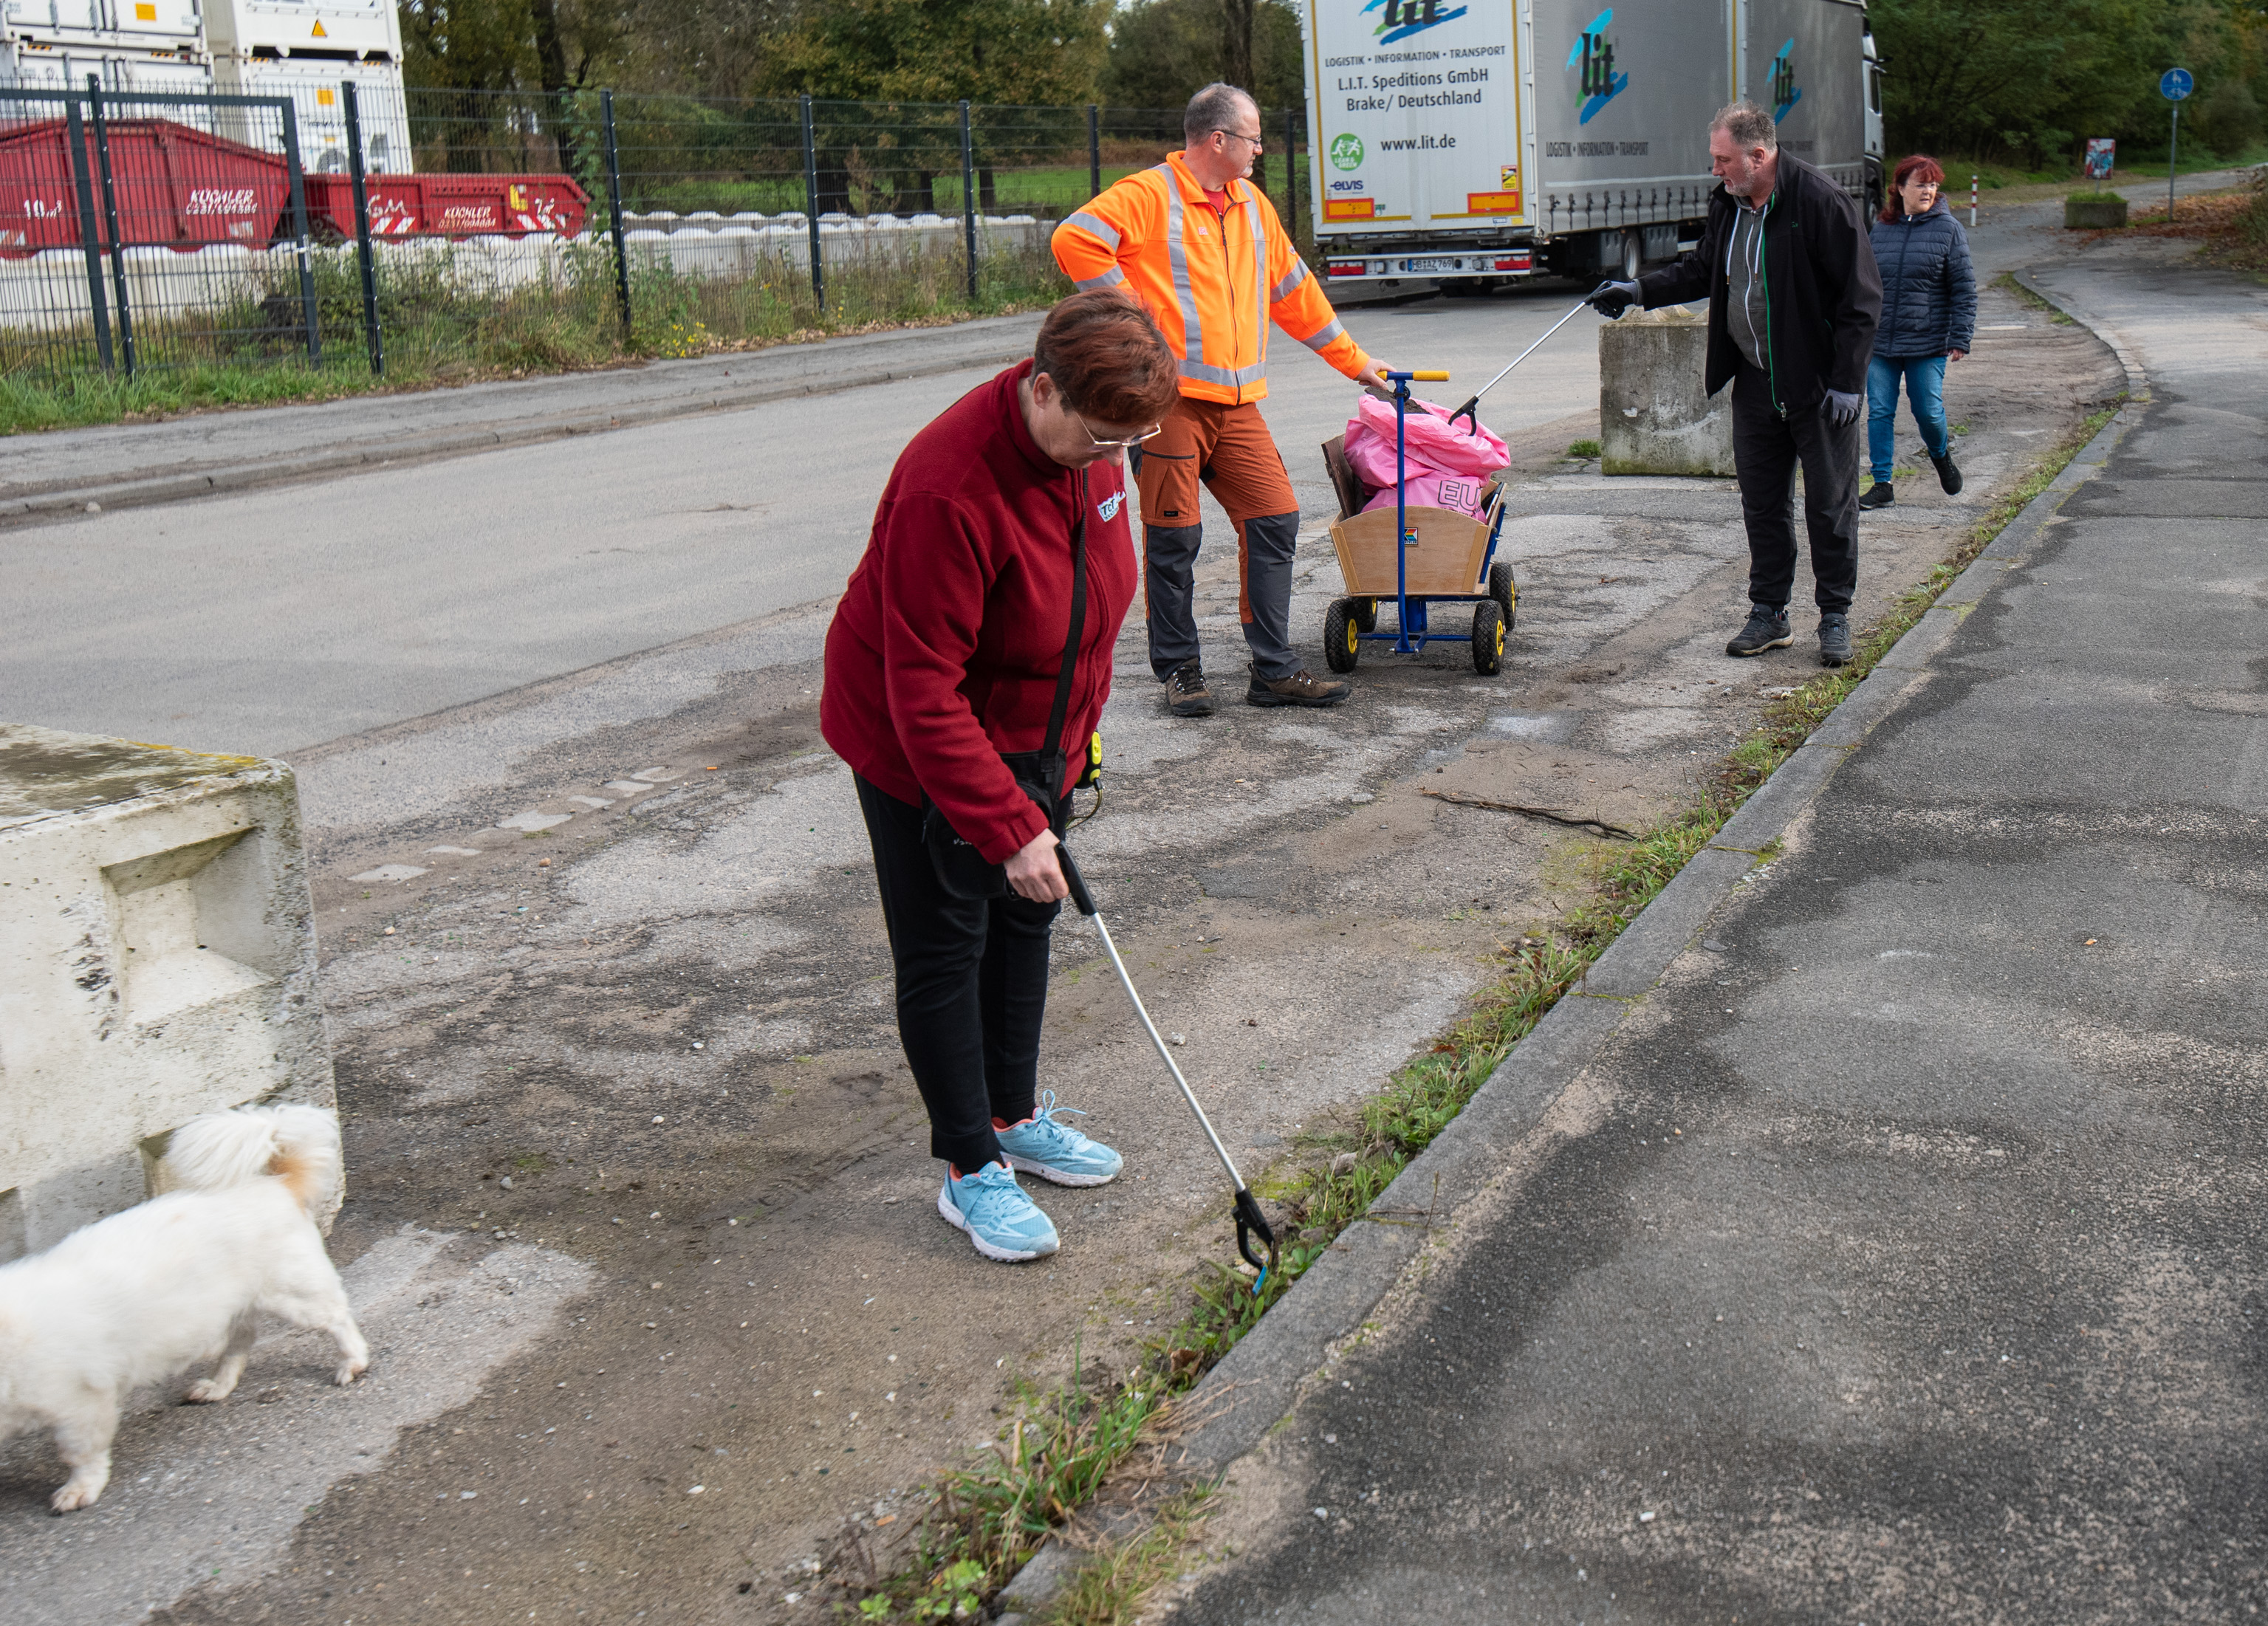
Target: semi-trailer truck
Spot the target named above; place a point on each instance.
(1467, 143)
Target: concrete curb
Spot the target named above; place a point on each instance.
(417, 448)
(1256, 1384)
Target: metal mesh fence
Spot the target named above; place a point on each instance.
(348, 223)
(151, 230)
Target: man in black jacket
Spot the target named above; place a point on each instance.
(1793, 297)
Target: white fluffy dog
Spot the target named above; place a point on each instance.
(183, 1278)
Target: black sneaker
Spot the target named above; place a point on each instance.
(1186, 694)
(1947, 475)
(1767, 630)
(1879, 495)
(1834, 638)
(1301, 688)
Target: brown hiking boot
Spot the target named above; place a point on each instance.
(1186, 694)
(1303, 688)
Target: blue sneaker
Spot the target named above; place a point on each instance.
(1056, 1152)
(999, 1218)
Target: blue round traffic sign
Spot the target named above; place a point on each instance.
(2177, 84)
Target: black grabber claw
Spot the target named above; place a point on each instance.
(1250, 1222)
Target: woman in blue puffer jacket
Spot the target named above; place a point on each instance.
(1929, 318)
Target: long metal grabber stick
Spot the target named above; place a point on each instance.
(1466, 411)
(1249, 1220)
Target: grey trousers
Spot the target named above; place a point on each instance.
(1264, 552)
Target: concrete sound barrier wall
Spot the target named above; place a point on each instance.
(157, 960)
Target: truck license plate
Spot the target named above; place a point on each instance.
(1436, 265)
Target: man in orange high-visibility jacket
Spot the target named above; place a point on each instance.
(1201, 247)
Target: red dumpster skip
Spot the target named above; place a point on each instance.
(178, 188)
(452, 205)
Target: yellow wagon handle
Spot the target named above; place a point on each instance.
(1431, 377)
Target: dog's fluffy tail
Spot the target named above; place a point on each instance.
(298, 1145)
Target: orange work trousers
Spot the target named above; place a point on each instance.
(1229, 452)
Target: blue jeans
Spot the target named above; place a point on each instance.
(1924, 377)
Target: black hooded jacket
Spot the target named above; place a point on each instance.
(1822, 289)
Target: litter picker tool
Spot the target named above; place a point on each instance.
(1466, 411)
(1250, 1222)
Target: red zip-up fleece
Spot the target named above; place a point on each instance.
(945, 648)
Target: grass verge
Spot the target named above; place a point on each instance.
(2007, 284)
(1066, 1445)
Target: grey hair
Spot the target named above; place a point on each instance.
(1212, 108)
(1749, 125)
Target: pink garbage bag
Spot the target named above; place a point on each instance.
(1443, 467)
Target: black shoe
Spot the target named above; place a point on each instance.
(1301, 688)
(1879, 495)
(1947, 475)
(1186, 694)
(1767, 630)
(1834, 638)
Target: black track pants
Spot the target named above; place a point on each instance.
(1766, 450)
(972, 988)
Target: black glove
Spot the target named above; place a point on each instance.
(1841, 408)
(1611, 299)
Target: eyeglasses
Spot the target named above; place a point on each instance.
(1131, 441)
(1254, 141)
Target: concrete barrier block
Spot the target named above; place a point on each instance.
(157, 961)
(2094, 211)
(1653, 416)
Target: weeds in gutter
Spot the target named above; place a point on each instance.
(987, 1519)
(1111, 1587)
(2007, 284)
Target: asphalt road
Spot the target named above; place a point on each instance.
(1924, 1282)
(1293, 902)
(277, 620)
(280, 619)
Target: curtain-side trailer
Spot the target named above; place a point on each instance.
(1490, 140)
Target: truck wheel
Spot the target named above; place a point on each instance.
(1506, 592)
(1488, 638)
(1342, 644)
(1633, 255)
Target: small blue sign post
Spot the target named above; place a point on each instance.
(2175, 84)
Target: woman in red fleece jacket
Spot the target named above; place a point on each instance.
(944, 657)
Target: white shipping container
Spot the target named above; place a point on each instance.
(29, 64)
(343, 30)
(313, 86)
(137, 23)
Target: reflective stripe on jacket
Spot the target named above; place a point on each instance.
(1214, 283)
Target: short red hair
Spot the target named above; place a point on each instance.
(1918, 166)
(1105, 355)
